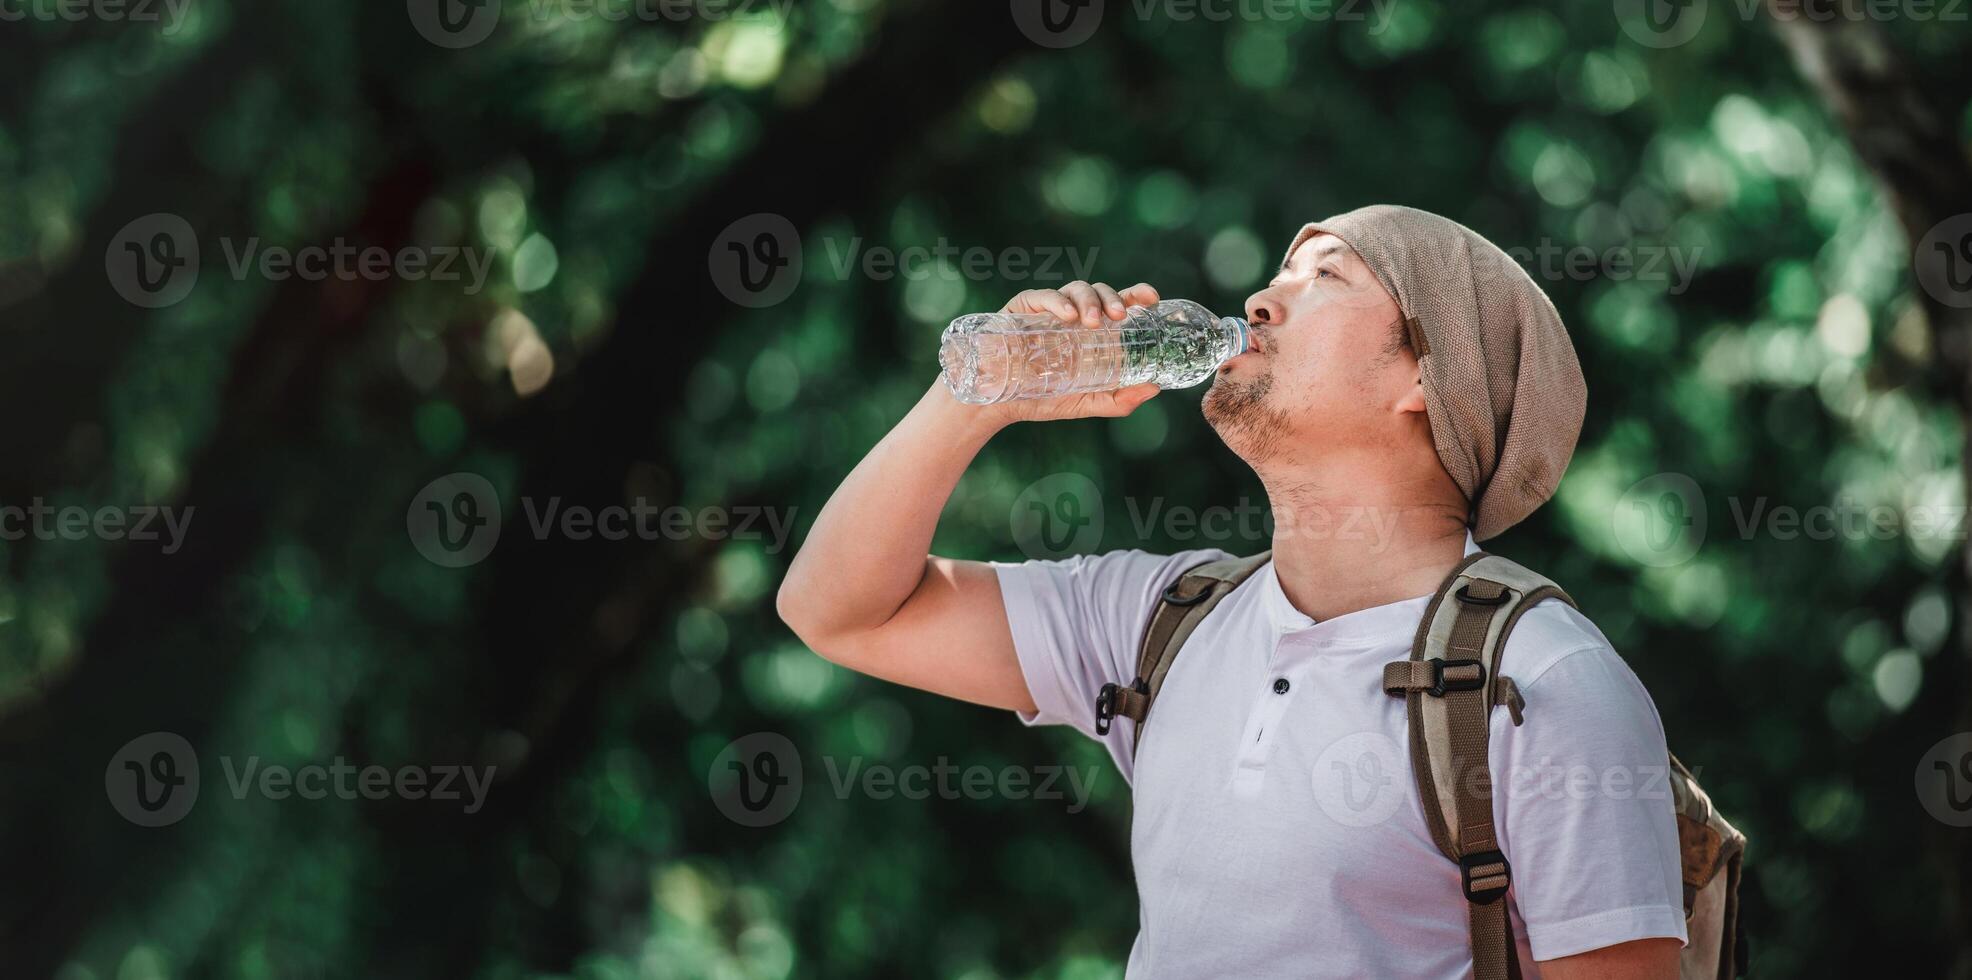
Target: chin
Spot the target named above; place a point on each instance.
(1239, 412)
(1232, 396)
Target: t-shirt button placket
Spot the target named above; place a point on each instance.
(1252, 761)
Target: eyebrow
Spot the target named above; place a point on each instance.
(1326, 246)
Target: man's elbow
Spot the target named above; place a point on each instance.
(800, 607)
(796, 609)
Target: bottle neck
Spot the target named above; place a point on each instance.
(1235, 329)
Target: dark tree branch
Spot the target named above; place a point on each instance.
(54, 750)
(564, 613)
(273, 395)
(67, 340)
(1903, 130)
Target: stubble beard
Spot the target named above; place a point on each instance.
(1238, 412)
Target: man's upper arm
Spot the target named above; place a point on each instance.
(950, 637)
(1641, 959)
(1039, 637)
(1582, 795)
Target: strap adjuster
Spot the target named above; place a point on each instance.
(1176, 598)
(1484, 875)
(1106, 702)
(1464, 594)
(1470, 676)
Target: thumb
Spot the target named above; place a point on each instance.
(1123, 401)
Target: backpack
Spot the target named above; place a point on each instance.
(1452, 682)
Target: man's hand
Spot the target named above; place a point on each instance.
(1095, 306)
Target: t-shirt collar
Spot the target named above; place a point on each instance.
(1363, 627)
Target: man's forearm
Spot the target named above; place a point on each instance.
(866, 553)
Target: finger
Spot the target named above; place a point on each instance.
(1112, 303)
(1141, 294)
(1126, 400)
(1087, 300)
(1047, 301)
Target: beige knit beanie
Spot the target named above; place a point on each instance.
(1502, 387)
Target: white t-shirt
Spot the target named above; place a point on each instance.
(1279, 834)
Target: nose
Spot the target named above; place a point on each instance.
(1262, 309)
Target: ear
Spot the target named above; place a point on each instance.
(1413, 398)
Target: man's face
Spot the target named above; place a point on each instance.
(1328, 367)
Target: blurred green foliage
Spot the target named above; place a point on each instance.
(1803, 678)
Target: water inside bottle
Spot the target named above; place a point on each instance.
(991, 357)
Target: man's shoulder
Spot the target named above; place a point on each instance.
(1581, 696)
(1548, 633)
(1129, 563)
(1125, 581)
(1182, 559)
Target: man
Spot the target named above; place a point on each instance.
(1400, 367)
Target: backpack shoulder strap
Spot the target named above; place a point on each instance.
(1179, 611)
(1452, 681)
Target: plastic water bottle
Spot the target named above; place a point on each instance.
(998, 357)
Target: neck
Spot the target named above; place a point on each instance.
(1347, 539)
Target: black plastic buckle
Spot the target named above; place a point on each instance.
(1106, 702)
(1105, 707)
(1465, 595)
(1484, 896)
(1172, 596)
(1441, 687)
